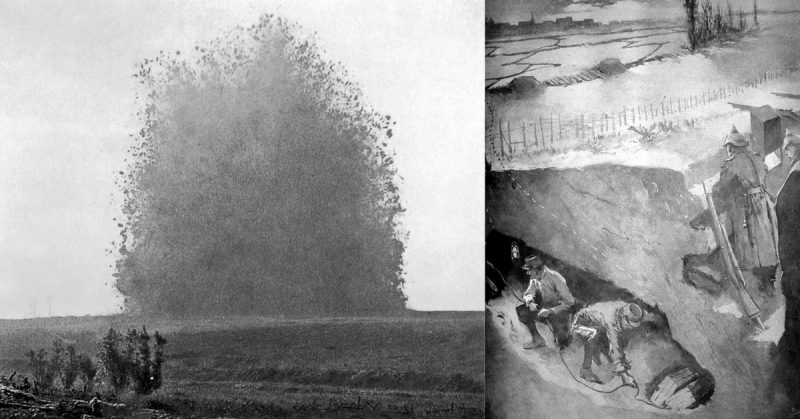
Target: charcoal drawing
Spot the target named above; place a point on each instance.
(641, 206)
(241, 209)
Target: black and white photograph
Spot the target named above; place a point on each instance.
(241, 209)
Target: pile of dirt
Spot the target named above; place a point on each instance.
(610, 66)
(524, 86)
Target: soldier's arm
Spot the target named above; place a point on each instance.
(723, 189)
(529, 293)
(618, 362)
(589, 318)
(565, 298)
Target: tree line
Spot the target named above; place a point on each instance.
(706, 23)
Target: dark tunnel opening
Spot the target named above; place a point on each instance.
(678, 379)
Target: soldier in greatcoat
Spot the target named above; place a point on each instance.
(787, 209)
(741, 192)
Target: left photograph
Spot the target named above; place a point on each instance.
(241, 209)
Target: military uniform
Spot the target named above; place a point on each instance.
(611, 326)
(549, 291)
(787, 209)
(741, 193)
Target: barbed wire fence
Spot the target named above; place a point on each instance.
(547, 133)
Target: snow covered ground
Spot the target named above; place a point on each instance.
(549, 56)
(672, 79)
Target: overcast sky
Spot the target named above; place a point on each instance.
(520, 10)
(66, 106)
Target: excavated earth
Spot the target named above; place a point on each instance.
(622, 233)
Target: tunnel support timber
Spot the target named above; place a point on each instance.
(731, 264)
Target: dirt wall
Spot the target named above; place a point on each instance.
(630, 226)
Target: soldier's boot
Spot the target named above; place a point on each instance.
(537, 341)
(588, 375)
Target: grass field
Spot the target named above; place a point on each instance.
(420, 365)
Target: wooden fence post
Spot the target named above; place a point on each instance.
(524, 140)
(583, 127)
(500, 129)
(541, 129)
(510, 146)
(535, 139)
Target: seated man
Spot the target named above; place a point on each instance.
(546, 299)
(602, 327)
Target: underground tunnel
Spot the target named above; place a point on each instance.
(623, 233)
(669, 376)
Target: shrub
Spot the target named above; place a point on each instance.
(87, 371)
(137, 363)
(65, 363)
(112, 362)
(42, 369)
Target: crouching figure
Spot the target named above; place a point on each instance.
(603, 328)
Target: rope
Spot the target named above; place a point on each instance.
(635, 396)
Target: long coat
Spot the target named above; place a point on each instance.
(787, 209)
(741, 193)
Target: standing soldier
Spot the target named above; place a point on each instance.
(741, 192)
(787, 208)
(547, 299)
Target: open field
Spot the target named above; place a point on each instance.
(420, 365)
(553, 55)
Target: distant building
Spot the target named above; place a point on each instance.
(564, 21)
(528, 24)
(495, 29)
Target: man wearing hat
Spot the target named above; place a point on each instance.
(787, 210)
(547, 299)
(741, 192)
(603, 327)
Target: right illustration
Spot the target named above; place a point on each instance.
(642, 203)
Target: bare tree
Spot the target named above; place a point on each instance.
(706, 21)
(690, 6)
(755, 13)
(718, 25)
(742, 21)
(730, 16)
